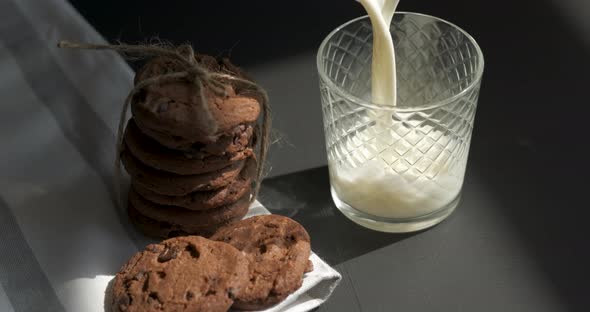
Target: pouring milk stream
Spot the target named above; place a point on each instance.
(374, 187)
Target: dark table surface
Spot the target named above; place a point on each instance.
(519, 239)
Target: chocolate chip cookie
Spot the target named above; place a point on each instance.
(278, 249)
(176, 109)
(151, 153)
(172, 184)
(184, 221)
(202, 200)
(163, 229)
(181, 274)
(237, 139)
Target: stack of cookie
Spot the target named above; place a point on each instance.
(185, 178)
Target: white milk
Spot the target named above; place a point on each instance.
(374, 187)
(383, 79)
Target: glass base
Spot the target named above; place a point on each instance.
(395, 225)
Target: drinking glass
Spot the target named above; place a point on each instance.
(399, 168)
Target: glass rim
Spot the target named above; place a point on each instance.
(323, 75)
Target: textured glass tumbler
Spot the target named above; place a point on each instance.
(399, 169)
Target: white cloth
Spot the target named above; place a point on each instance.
(61, 237)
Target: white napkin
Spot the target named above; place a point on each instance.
(61, 238)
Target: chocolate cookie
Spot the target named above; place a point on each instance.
(172, 184)
(180, 274)
(190, 221)
(153, 154)
(278, 249)
(238, 139)
(205, 199)
(162, 229)
(176, 109)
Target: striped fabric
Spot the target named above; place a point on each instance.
(61, 237)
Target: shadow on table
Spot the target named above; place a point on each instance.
(252, 32)
(305, 196)
(531, 153)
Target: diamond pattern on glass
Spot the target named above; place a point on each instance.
(434, 62)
